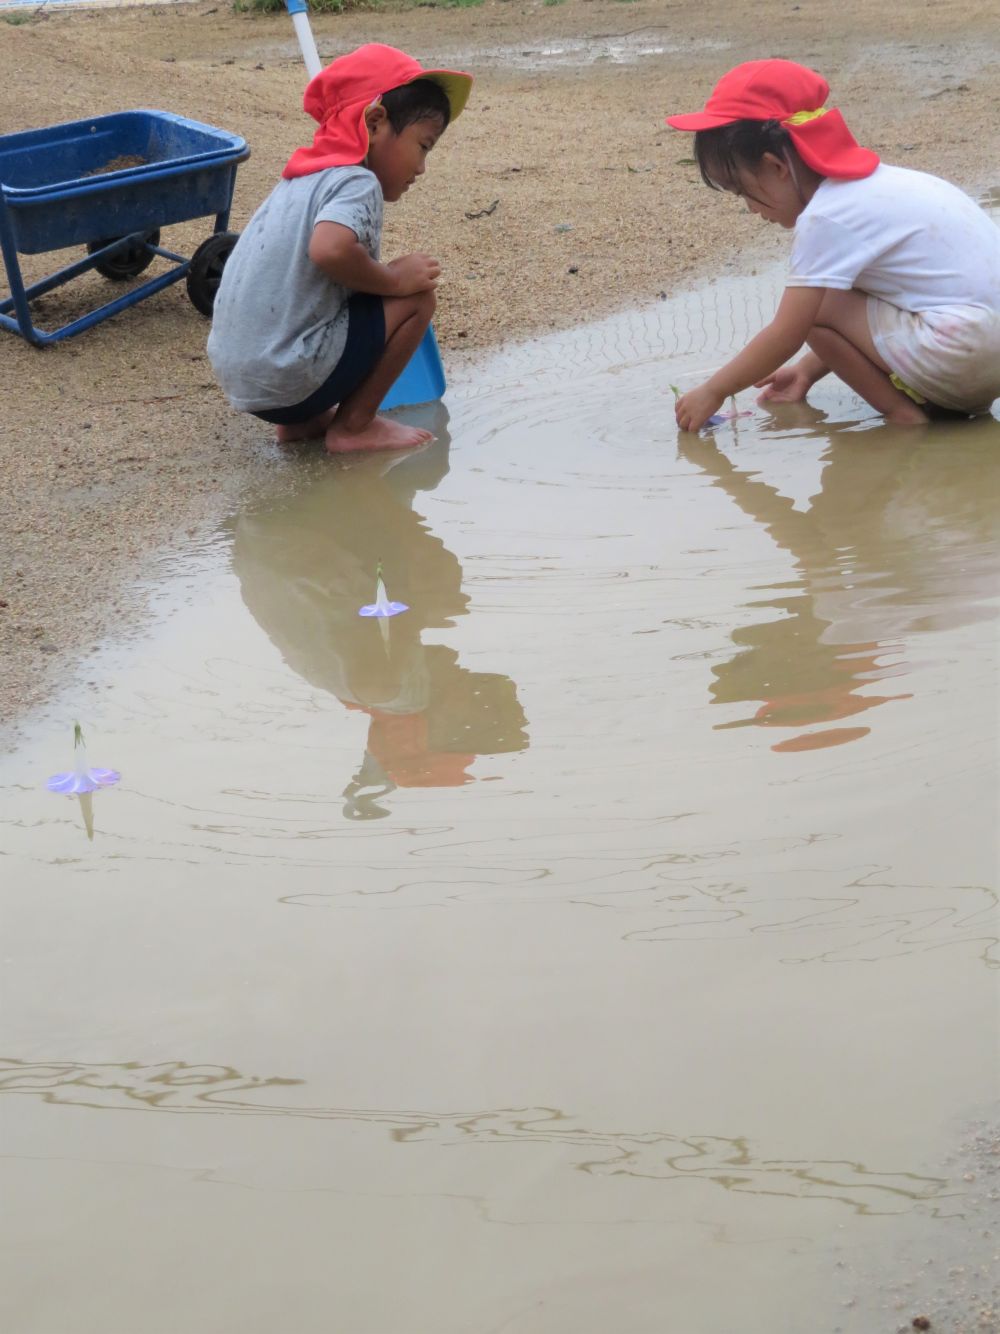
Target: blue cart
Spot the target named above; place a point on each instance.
(110, 184)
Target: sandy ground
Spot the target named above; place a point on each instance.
(116, 446)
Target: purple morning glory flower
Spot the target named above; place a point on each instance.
(78, 781)
(81, 779)
(718, 418)
(382, 605)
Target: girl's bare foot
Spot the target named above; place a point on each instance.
(380, 433)
(908, 414)
(310, 430)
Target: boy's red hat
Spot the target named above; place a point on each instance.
(401, 744)
(792, 94)
(339, 96)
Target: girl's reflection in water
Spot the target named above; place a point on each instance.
(899, 540)
(307, 563)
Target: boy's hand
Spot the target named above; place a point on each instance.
(694, 408)
(414, 273)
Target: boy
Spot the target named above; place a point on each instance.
(309, 329)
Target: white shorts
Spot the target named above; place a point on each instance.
(950, 355)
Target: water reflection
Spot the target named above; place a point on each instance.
(731, 1162)
(307, 564)
(899, 540)
(86, 800)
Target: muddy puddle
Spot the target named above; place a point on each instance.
(627, 48)
(555, 53)
(610, 944)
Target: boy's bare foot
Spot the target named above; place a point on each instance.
(380, 433)
(310, 430)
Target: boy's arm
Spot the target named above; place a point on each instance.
(337, 251)
(762, 356)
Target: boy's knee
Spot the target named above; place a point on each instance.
(427, 304)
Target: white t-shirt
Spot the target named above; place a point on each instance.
(280, 324)
(914, 240)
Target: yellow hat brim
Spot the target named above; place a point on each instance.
(457, 86)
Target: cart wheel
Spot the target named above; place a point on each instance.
(128, 263)
(205, 273)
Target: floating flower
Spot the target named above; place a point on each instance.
(81, 779)
(382, 606)
(717, 418)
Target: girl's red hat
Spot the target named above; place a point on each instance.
(339, 96)
(793, 95)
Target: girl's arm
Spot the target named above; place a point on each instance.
(338, 252)
(763, 355)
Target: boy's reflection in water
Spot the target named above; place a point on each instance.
(305, 567)
(900, 539)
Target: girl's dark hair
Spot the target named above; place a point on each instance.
(423, 99)
(727, 150)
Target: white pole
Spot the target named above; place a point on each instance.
(307, 43)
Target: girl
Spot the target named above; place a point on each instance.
(895, 275)
(309, 329)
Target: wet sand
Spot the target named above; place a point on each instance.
(117, 448)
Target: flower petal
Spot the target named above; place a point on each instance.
(717, 418)
(80, 781)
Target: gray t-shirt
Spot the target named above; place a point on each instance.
(279, 326)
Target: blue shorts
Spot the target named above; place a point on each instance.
(365, 344)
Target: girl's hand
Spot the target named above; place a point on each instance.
(757, 363)
(790, 384)
(414, 273)
(694, 408)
